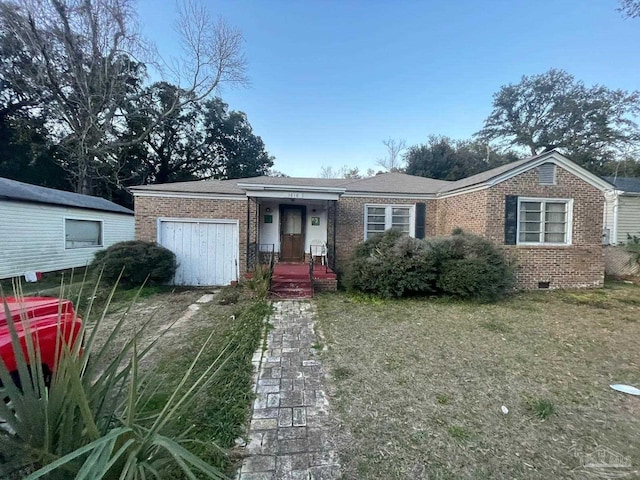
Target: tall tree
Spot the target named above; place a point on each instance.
(229, 139)
(553, 110)
(195, 141)
(84, 69)
(173, 150)
(445, 159)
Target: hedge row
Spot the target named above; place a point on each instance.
(461, 265)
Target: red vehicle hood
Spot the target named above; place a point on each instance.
(33, 307)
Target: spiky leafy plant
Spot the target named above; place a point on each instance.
(95, 419)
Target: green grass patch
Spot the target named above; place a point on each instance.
(542, 408)
(459, 434)
(219, 415)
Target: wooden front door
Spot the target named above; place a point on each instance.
(292, 219)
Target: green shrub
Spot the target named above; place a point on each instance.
(260, 281)
(392, 265)
(461, 265)
(138, 261)
(472, 267)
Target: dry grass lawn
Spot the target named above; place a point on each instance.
(419, 384)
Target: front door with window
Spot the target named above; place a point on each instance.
(292, 233)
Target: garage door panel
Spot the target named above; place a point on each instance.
(206, 251)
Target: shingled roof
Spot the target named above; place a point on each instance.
(25, 192)
(626, 184)
(383, 183)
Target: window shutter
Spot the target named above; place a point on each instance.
(421, 214)
(510, 219)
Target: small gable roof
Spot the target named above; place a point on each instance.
(25, 192)
(626, 184)
(504, 172)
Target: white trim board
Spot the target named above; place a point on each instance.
(203, 196)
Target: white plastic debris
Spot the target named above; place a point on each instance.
(626, 389)
(505, 410)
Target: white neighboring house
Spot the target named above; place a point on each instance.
(43, 230)
(622, 210)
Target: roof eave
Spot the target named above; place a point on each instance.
(553, 156)
(293, 188)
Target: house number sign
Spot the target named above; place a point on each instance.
(294, 195)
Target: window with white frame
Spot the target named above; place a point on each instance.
(82, 233)
(379, 218)
(544, 221)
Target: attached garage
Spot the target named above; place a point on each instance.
(207, 250)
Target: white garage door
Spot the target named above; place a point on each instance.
(206, 250)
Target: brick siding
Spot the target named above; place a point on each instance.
(482, 212)
(467, 211)
(350, 224)
(578, 265)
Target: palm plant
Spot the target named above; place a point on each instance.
(96, 420)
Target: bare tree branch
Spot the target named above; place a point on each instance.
(393, 162)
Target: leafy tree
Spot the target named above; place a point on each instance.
(27, 156)
(445, 159)
(230, 142)
(553, 110)
(195, 141)
(173, 148)
(82, 71)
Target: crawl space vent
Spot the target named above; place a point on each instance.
(543, 284)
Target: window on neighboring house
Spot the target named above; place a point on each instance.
(82, 233)
(544, 221)
(379, 218)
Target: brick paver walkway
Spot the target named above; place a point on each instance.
(289, 435)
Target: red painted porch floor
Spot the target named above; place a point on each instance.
(292, 280)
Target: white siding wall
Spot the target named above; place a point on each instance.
(32, 237)
(628, 217)
(316, 232)
(270, 232)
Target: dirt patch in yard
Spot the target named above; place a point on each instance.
(165, 313)
(420, 385)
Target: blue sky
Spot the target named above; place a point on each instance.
(330, 80)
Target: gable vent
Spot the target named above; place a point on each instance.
(547, 174)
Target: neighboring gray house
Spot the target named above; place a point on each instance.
(622, 210)
(42, 229)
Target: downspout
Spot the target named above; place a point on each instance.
(248, 229)
(614, 234)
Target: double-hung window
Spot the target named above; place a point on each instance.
(379, 218)
(82, 233)
(544, 221)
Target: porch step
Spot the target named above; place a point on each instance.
(291, 281)
(291, 288)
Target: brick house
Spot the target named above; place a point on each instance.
(545, 212)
